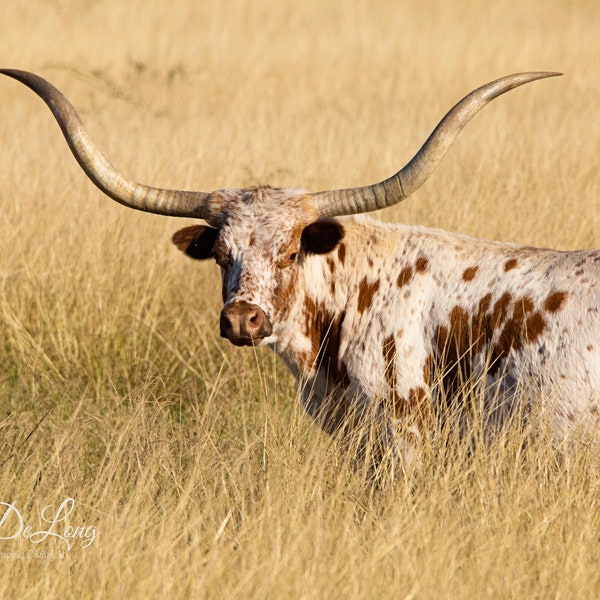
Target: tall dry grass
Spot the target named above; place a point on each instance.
(191, 458)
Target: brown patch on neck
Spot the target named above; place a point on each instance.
(342, 252)
(366, 291)
(510, 264)
(324, 330)
(284, 293)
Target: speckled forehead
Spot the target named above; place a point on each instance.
(268, 215)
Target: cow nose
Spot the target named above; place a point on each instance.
(243, 323)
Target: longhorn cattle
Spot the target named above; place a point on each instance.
(383, 319)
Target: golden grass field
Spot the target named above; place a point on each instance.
(192, 459)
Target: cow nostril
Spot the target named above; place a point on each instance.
(225, 323)
(254, 323)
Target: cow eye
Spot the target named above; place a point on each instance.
(288, 261)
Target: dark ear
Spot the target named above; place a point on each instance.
(196, 241)
(322, 236)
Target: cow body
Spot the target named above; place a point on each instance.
(395, 320)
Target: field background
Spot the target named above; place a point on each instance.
(192, 458)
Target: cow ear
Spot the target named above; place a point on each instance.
(196, 241)
(322, 236)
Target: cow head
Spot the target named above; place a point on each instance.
(259, 237)
(262, 236)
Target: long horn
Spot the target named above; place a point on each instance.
(175, 203)
(390, 191)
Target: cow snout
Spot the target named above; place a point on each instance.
(243, 323)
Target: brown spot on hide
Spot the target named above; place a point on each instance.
(283, 296)
(405, 276)
(555, 301)
(501, 307)
(524, 326)
(509, 265)
(484, 304)
(469, 332)
(366, 291)
(284, 293)
(342, 253)
(470, 273)
(422, 264)
(331, 264)
(534, 327)
(324, 330)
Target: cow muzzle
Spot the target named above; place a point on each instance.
(244, 324)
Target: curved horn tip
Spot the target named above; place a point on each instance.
(176, 203)
(403, 183)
